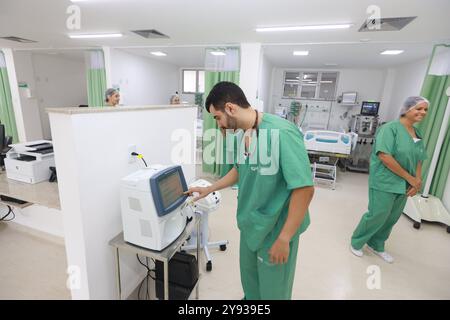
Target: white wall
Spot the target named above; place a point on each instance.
(54, 81)
(89, 177)
(143, 81)
(404, 81)
(265, 82)
(60, 82)
(249, 74)
(369, 83)
(188, 98)
(30, 115)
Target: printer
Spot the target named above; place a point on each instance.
(154, 206)
(30, 162)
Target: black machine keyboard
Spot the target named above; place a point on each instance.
(42, 148)
(44, 151)
(11, 199)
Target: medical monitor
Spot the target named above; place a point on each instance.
(370, 108)
(349, 97)
(168, 187)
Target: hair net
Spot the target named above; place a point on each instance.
(411, 102)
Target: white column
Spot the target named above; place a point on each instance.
(108, 65)
(387, 110)
(15, 95)
(250, 72)
(91, 164)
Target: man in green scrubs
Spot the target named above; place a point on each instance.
(395, 174)
(273, 173)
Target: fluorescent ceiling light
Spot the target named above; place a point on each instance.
(392, 52)
(295, 28)
(218, 53)
(300, 53)
(94, 36)
(158, 53)
(326, 81)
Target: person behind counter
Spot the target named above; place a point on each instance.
(112, 97)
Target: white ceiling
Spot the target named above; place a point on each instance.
(360, 55)
(209, 22)
(185, 57)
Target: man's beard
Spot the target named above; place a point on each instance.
(231, 123)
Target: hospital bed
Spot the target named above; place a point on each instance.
(325, 148)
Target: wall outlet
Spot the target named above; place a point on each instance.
(131, 149)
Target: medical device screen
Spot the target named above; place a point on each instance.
(370, 108)
(170, 188)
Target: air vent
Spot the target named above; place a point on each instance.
(150, 34)
(386, 24)
(17, 39)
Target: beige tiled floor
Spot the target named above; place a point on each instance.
(34, 268)
(31, 267)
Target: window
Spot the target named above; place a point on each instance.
(193, 81)
(310, 85)
(328, 85)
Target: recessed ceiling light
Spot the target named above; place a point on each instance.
(364, 40)
(300, 53)
(218, 53)
(326, 81)
(392, 52)
(296, 28)
(95, 36)
(158, 53)
(331, 64)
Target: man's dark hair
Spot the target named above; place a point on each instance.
(225, 92)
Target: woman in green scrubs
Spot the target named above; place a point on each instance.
(395, 174)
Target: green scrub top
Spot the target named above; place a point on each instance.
(267, 178)
(392, 138)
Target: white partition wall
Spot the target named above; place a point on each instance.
(92, 155)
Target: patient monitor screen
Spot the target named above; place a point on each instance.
(170, 188)
(369, 108)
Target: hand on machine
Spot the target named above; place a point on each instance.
(202, 196)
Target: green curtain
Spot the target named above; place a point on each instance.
(211, 78)
(433, 89)
(6, 108)
(96, 80)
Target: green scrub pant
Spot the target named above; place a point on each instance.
(263, 280)
(376, 225)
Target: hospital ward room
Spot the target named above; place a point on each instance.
(224, 150)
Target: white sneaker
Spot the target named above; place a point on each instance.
(357, 253)
(384, 255)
